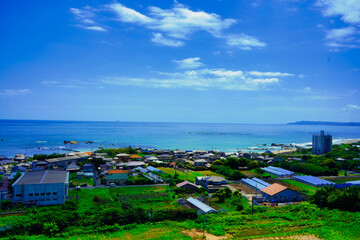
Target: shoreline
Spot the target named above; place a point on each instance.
(244, 150)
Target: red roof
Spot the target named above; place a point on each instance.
(273, 189)
(117, 171)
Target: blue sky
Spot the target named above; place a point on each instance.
(253, 61)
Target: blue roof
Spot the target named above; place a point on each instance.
(152, 169)
(261, 181)
(354, 182)
(253, 184)
(267, 169)
(281, 170)
(313, 180)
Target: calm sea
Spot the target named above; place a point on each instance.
(29, 137)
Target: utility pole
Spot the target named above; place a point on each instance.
(151, 215)
(252, 205)
(204, 227)
(320, 200)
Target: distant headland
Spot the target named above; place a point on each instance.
(325, 123)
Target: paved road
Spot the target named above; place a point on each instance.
(104, 186)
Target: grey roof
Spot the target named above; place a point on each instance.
(43, 177)
(200, 205)
(213, 178)
(75, 157)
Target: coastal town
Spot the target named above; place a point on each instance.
(206, 182)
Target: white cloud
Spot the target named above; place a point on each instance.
(129, 15)
(10, 92)
(174, 25)
(351, 107)
(348, 10)
(243, 41)
(269, 74)
(201, 79)
(189, 63)
(159, 39)
(84, 16)
(95, 28)
(340, 33)
(50, 82)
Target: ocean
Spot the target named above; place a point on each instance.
(45, 137)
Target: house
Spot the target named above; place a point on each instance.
(200, 162)
(211, 183)
(73, 168)
(165, 157)
(40, 164)
(140, 169)
(4, 188)
(150, 159)
(187, 185)
(117, 171)
(63, 162)
(80, 175)
(152, 169)
(172, 164)
(7, 162)
(122, 157)
(116, 178)
(279, 193)
(135, 157)
(41, 188)
(88, 167)
(105, 167)
(20, 157)
(131, 165)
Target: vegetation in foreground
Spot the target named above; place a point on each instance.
(123, 213)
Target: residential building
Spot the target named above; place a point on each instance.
(321, 143)
(279, 193)
(187, 185)
(211, 183)
(41, 188)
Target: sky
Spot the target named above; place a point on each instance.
(245, 61)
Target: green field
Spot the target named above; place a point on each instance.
(78, 182)
(189, 176)
(145, 197)
(297, 221)
(252, 173)
(300, 187)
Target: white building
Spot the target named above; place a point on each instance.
(321, 143)
(41, 187)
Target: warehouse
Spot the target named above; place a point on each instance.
(255, 183)
(279, 193)
(279, 172)
(41, 188)
(313, 181)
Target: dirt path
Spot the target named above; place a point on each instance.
(198, 234)
(295, 237)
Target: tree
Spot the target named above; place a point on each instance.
(51, 228)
